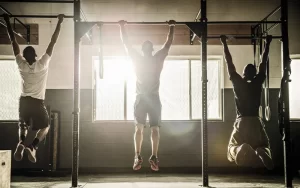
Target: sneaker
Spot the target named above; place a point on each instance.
(18, 155)
(31, 151)
(246, 156)
(154, 163)
(265, 157)
(137, 163)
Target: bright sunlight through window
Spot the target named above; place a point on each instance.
(180, 98)
(295, 90)
(10, 84)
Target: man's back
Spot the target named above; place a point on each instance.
(148, 70)
(247, 94)
(34, 76)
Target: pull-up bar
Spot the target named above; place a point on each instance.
(243, 37)
(184, 23)
(244, 22)
(38, 16)
(37, 1)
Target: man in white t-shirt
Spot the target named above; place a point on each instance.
(34, 73)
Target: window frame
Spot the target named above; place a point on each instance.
(9, 58)
(294, 56)
(189, 59)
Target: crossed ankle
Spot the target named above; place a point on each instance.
(32, 147)
(153, 156)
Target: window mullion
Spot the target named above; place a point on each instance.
(190, 89)
(125, 99)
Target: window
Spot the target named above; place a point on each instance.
(295, 90)
(180, 89)
(213, 89)
(10, 84)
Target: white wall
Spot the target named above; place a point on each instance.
(61, 68)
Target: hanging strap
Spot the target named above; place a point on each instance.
(254, 51)
(253, 42)
(260, 49)
(267, 93)
(267, 85)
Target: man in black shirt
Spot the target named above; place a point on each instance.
(249, 144)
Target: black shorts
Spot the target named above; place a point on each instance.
(34, 110)
(147, 104)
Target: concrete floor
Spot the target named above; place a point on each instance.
(152, 181)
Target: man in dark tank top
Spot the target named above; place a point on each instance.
(249, 144)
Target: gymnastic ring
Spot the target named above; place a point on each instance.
(268, 113)
(260, 112)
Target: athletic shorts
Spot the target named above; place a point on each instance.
(250, 130)
(147, 105)
(33, 112)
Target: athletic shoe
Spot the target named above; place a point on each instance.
(154, 163)
(246, 156)
(18, 155)
(137, 164)
(265, 158)
(31, 151)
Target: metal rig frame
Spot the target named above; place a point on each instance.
(199, 29)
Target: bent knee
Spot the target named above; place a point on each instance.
(155, 129)
(46, 129)
(139, 127)
(23, 126)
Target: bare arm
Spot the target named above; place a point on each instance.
(11, 35)
(55, 35)
(163, 52)
(230, 66)
(124, 37)
(263, 64)
(170, 37)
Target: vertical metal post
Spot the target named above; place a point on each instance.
(286, 76)
(76, 94)
(28, 34)
(203, 21)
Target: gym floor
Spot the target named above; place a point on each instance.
(146, 180)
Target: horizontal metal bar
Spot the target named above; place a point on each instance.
(38, 16)
(7, 12)
(243, 37)
(36, 1)
(184, 23)
(242, 22)
(142, 23)
(13, 31)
